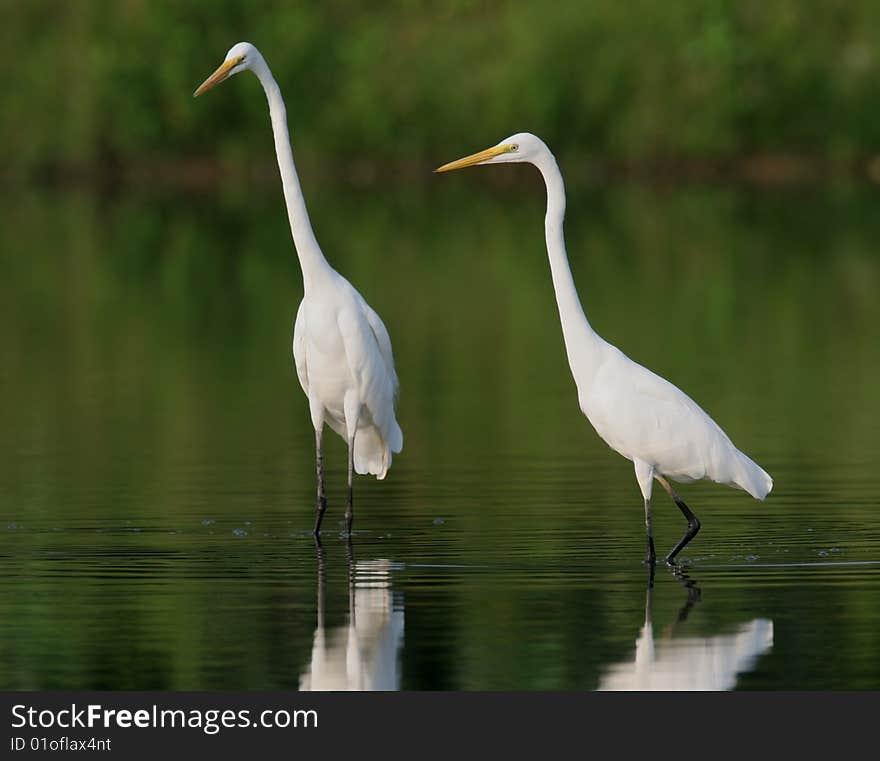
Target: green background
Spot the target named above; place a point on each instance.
(105, 87)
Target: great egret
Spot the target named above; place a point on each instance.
(341, 348)
(637, 413)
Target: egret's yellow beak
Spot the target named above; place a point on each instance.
(218, 76)
(475, 158)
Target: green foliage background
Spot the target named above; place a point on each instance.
(101, 84)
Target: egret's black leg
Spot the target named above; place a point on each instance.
(321, 503)
(349, 509)
(692, 529)
(693, 522)
(650, 577)
(651, 555)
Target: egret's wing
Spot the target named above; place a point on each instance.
(299, 349)
(376, 379)
(380, 333)
(644, 416)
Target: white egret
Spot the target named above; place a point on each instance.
(341, 348)
(637, 413)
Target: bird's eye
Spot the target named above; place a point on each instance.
(514, 148)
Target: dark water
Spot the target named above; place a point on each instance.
(157, 467)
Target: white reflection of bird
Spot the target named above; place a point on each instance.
(340, 345)
(637, 413)
(690, 663)
(362, 655)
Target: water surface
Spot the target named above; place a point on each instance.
(157, 482)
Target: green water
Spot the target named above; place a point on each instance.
(156, 488)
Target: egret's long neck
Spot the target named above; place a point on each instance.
(582, 344)
(311, 258)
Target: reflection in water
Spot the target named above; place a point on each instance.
(689, 663)
(141, 429)
(362, 655)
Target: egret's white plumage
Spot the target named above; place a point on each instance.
(340, 345)
(342, 350)
(636, 412)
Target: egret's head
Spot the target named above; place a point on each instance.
(241, 57)
(521, 147)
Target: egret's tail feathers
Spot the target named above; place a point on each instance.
(372, 454)
(752, 478)
(395, 439)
